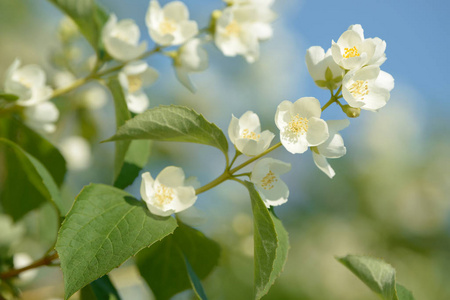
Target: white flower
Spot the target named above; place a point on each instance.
(133, 77)
(95, 97)
(266, 177)
(321, 66)
(353, 51)
(245, 133)
(28, 83)
(170, 25)
(333, 147)
(367, 88)
(239, 29)
(300, 124)
(121, 39)
(41, 116)
(22, 260)
(63, 79)
(77, 152)
(191, 57)
(167, 194)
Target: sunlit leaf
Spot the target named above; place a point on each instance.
(104, 228)
(271, 244)
(172, 123)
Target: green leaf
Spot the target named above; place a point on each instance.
(337, 79)
(89, 17)
(35, 145)
(195, 281)
(27, 184)
(122, 115)
(8, 97)
(271, 244)
(104, 228)
(163, 266)
(282, 249)
(321, 83)
(172, 123)
(328, 74)
(135, 159)
(100, 289)
(403, 293)
(378, 275)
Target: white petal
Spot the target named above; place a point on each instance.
(249, 120)
(283, 115)
(314, 55)
(293, 143)
(171, 177)
(333, 147)
(276, 196)
(176, 11)
(358, 29)
(248, 147)
(322, 163)
(233, 129)
(265, 140)
(137, 102)
(385, 81)
(184, 198)
(146, 186)
(317, 132)
(307, 107)
(183, 76)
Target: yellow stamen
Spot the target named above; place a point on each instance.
(24, 81)
(298, 125)
(167, 26)
(359, 89)
(268, 180)
(351, 52)
(134, 83)
(233, 28)
(247, 134)
(163, 195)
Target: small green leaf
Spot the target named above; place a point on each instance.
(89, 17)
(163, 266)
(104, 228)
(122, 115)
(378, 275)
(172, 123)
(100, 289)
(282, 249)
(271, 244)
(8, 97)
(195, 281)
(337, 79)
(328, 74)
(27, 185)
(403, 293)
(321, 83)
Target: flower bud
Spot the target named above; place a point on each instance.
(351, 112)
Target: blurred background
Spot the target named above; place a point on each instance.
(388, 198)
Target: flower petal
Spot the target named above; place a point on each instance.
(322, 163)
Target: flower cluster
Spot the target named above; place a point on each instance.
(28, 84)
(353, 62)
(352, 66)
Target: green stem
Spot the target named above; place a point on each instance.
(44, 261)
(228, 174)
(97, 75)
